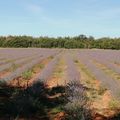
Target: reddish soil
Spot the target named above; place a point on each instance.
(60, 116)
(25, 83)
(4, 73)
(101, 106)
(53, 82)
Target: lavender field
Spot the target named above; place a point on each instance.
(96, 71)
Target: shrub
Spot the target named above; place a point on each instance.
(77, 107)
(23, 102)
(27, 75)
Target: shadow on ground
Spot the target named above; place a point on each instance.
(32, 103)
(38, 102)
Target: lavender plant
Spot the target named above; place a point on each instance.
(77, 107)
(28, 66)
(47, 71)
(110, 83)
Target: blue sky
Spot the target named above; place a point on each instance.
(98, 18)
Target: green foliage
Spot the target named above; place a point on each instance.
(27, 75)
(56, 110)
(80, 41)
(114, 104)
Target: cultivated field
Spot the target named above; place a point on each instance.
(96, 71)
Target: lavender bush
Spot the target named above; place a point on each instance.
(77, 107)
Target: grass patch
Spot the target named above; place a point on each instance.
(27, 75)
(57, 109)
(85, 70)
(41, 65)
(59, 69)
(114, 104)
(86, 76)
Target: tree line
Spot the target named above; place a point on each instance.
(80, 41)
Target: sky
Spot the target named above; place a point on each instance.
(53, 18)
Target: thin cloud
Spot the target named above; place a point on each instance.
(34, 8)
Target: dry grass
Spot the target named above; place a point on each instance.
(99, 96)
(58, 76)
(108, 71)
(114, 104)
(86, 77)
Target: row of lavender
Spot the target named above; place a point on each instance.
(77, 106)
(34, 56)
(108, 58)
(27, 58)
